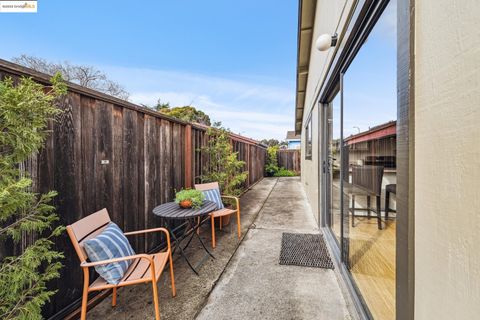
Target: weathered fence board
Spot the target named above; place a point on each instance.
(106, 152)
(289, 159)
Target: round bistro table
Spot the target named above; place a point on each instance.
(171, 212)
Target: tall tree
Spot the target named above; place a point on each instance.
(25, 110)
(86, 76)
(185, 113)
(273, 142)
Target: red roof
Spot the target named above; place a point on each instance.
(375, 133)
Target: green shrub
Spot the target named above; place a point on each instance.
(195, 196)
(282, 172)
(271, 166)
(271, 170)
(223, 165)
(25, 110)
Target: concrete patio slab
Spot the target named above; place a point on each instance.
(245, 281)
(255, 286)
(135, 302)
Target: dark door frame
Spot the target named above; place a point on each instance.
(362, 20)
(405, 238)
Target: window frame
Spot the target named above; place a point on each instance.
(362, 20)
(308, 139)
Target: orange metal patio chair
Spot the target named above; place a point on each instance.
(145, 267)
(221, 212)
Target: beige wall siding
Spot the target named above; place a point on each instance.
(330, 17)
(309, 168)
(447, 165)
(327, 19)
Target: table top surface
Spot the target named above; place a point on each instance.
(171, 210)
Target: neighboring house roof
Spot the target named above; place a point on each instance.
(381, 131)
(292, 136)
(306, 21)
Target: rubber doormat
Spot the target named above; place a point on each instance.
(306, 250)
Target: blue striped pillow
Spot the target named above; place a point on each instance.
(109, 244)
(214, 195)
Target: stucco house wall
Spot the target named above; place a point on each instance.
(447, 159)
(330, 17)
(446, 88)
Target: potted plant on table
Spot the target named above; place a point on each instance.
(189, 198)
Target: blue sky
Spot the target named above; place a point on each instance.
(370, 87)
(235, 60)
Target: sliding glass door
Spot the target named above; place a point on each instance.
(360, 151)
(331, 166)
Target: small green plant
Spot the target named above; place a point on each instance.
(271, 169)
(190, 197)
(282, 172)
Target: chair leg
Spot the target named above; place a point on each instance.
(114, 297)
(368, 206)
(387, 204)
(155, 299)
(353, 210)
(379, 213)
(239, 226)
(172, 277)
(212, 222)
(221, 222)
(83, 314)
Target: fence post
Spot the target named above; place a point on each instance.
(188, 156)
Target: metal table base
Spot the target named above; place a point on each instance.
(190, 227)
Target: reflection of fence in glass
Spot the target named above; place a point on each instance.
(377, 146)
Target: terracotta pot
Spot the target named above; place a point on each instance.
(186, 204)
(225, 221)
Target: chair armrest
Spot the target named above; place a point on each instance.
(237, 200)
(99, 263)
(146, 231)
(167, 234)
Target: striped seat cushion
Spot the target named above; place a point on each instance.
(214, 195)
(109, 244)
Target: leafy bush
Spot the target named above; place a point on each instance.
(271, 169)
(195, 196)
(186, 113)
(282, 172)
(25, 110)
(272, 163)
(223, 165)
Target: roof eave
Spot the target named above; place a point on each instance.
(306, 21)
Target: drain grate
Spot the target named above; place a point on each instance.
(306, 250)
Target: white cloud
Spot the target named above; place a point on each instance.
(251, 107)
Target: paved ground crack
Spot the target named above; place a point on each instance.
(235, 251)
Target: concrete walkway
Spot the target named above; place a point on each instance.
(245, 280)
(135, 302)
(255, 286)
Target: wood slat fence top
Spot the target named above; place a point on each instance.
(18, 70)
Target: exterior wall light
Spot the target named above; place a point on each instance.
(326, 41)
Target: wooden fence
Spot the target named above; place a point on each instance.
(104, 152)
(289, 159)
